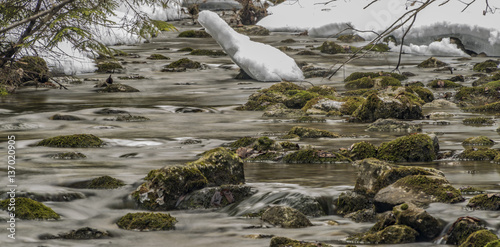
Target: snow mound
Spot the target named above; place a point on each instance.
(436, 48)
(260, 61)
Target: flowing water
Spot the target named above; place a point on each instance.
(199, 105)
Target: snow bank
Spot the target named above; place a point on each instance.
(436, 48)
(478, 32)
(260, 61)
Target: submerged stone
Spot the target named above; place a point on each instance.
(402, 106)
(72, 141)
(147, 222)
(487, 66)
(105, 182)
(287, 242)
(69, 156)
(285, 217)
(65, 117)
(306, 132)
(79, 234)
(118, 88)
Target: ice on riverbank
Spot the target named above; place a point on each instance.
(260, 61)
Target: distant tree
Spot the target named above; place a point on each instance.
(40, 25)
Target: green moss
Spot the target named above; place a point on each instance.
(184, 63)
(72, 141)
(194, 34)
(283, 87)
(162, 25)
(461, 230)
(186, 49)
(365, 82)
(147, 222)
(289, 145)
(105, 182)
(106, 67)
(263, 144)
(298, 98)
(323, 90)
(391, 176)
(34, 68)
(443, 84)
(288, 41)
(131, 118)
(285, 217)
(311, 156)
(423, 93)
(386, 81)
(431, 63)
(287, 242)
(377, 47)
(478, 141)
(288, 137)
(243, 142)
(485, 202)
(309, 119)
(28, 209)
(480, 153)
(202, 52)
(395, 234)
(220, 166)
(404, 206)
(334, 113)
(3, 91)
(418, 147)
(468, 190)
(277, 93)
(478, 121)
(486, 65)
(359, 75)
(479, 239)
(331, 47)
(434, 186)
(158, 57)
(495, 243)
(307, 132)
(363, 150)
(69, 156)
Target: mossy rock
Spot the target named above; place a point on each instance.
(478, 121)
(184, 63)
(411, 148)
(495, 243)
(288, 41)
(479, 239)
(65, 117)
(288, 242)
(158, 57)
(194, 34)
(478, 141)
(394, 125)
(425, 94)
(105, 182)
(108, 67)
(289, 145)
(394, 234)
(147, 222)
(220, 166)
(461, 229)
(351, 202)
(243, 142)
(131, 118)
(34, 68)
(202, 52)
(285, 217)
(28, 209)
(309, 119)
(79, 234)
(359, 75)
(351, 104)
(69, 156)
(311, 156)
(279, 110)
(484, 94)
(443, 84)
(275, 94)
(401, 106)
(330, 47)
(189, 49)
(365, 82)
(486, 66)
(252, 30)
(432, 63)
(362, 150)
(306, 132)
(485, 202)
(323, 90)
(386, 81)
(311, 53)
(493, 107)
(377, 47)
(350, 38)
(426, 225)
(297, 99)
(204, 198)
(480, 153)
(264, 144)
(72, 141)
(118, 88)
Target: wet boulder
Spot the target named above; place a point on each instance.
(410, 215)
(147, 222)
(478, 141)
(365, 82)
(479, 153)
(461, 229)
(69, 156)
(28, 209)
(194, 34)
(351, 202)
(479, 239)
(275, 94)
(359, 75)
(306, 132)
(118, 88)
(105, 182)
(65, 117)
(417, 147)
(489, 201)
(330, 47)
(164, 187)
(313, 156)
(362, 150)
(215, 197)
(72, 141)
(157, 57)
(401, 106)
(394, 125)
(79, 234)
(376, 174)
(394, 234)
(185, 63)
(364, 215)
(285, 217)
(432, 63)
(417, 189)
(487, 66)
(287, 242)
